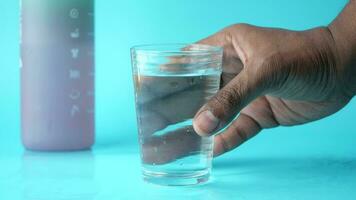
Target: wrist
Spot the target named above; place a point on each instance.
(326, 62)
(343, 29)
(345, 49)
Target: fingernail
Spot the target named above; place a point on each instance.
(205, 123)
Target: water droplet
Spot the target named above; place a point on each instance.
(153, 163)
(155, 149)
(164, 142)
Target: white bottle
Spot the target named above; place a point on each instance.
(57, 74)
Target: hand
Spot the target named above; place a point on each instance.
(271, 77)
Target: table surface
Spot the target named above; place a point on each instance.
(284, 163)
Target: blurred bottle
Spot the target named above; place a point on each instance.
(57, 74)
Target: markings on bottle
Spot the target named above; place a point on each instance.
(74, 110)
(75, 33)
(74, 13)
(74, 74)
(75, 53)
(74, 95)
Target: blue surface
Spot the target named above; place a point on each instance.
(313, 161)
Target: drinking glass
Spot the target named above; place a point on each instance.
(172, 82)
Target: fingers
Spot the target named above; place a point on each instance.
(237, 93)
(242, 129)
(223, 107)
(252, 119)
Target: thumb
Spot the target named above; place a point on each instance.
(222, 108)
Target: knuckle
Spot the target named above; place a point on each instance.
(228, 97)
(238, 26)
(225, 143)
(231, 30)
(225, 101)
(241, 135)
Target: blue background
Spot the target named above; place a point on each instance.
(313, 161)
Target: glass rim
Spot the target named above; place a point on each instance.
(176, 49)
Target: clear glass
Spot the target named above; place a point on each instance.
(172, 82)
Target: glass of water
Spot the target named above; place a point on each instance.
(172, 82)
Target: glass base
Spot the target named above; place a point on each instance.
(177, 179)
